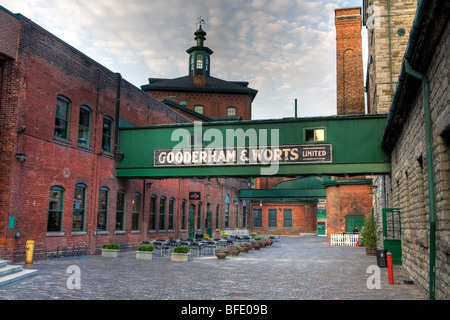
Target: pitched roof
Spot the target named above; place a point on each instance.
(186, 83)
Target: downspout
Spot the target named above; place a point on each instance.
(116, 129)
(430, 174)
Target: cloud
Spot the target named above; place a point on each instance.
(285, 49)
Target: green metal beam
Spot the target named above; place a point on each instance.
(353, 144)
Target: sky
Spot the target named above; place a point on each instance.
(285, 49)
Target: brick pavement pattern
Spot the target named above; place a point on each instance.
(302, 268)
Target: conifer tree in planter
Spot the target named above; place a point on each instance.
(369, 236)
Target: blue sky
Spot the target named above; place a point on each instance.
(285, 49)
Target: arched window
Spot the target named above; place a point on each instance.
(107, 134)
(79, 207)
(55, 209)
(102, 216)
(171, 213)
(152, 213)
(227, 212)
(162, 213)
(84, 126)
(136, 211)
(120, 211)
(62, 117)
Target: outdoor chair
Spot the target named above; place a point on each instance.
(162, 247)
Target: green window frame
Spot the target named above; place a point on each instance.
(272, 223)
(120, 210)
(218, 216)
(55, 209)
(171, 214)
(79, 207)
(135, 211)
(227, 212)
(62, 118)
(107, 134)
(183, 214)
(102, 214)
(152, 213)
(162, 213)
(84, 126)
(199, 216)
(287, 218)
(257, 218)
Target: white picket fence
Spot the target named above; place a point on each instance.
(344, 239)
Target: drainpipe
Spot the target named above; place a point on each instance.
(116, 129)
(430, 174)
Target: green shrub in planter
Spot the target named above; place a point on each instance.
(111, 246)
(146, 247)
(181, 249)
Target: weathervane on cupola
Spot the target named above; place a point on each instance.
(199, 56)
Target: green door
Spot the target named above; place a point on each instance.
(353, 221)
(321, 231)
(209, 223)
(191, 221)
(392, 234)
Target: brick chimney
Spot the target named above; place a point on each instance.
(199, 81)
(349, 61)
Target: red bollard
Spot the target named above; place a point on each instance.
(390, 270)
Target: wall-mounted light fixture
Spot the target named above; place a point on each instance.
(149, 185)
(21, 156)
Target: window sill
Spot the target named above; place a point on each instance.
(101, 233)
(120, 232)
(79, 233)
(56, 234)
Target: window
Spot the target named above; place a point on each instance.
(315, 135)
(107, 134)
(272, 218)
(84, 126)
(120, 211)
(79, 203)
(227, 212)
(102, 216)
(62, 118)
(244, 214)
(136, 211)
(257, 218)
(162, 213)
(199, 109)
(199, 61)
(171, 213)
(218, 216)
(287, 218)
(55, 209)
(152, 214)
(183, 215)
(231, 111)
(199, 216)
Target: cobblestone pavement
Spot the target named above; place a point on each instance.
(299, 269)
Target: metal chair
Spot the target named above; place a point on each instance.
(162, 247)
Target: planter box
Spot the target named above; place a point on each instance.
(109, 253)
(144, 255)
(180, 257)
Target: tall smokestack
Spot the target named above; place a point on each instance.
(349, 61)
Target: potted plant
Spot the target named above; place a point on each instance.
(145, 252)
(369, 236)
(246, 246)
(222, 253)
(256, 244)
(110, 250)
(235, 249)
(180, 253)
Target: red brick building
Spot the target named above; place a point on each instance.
(60, 114)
